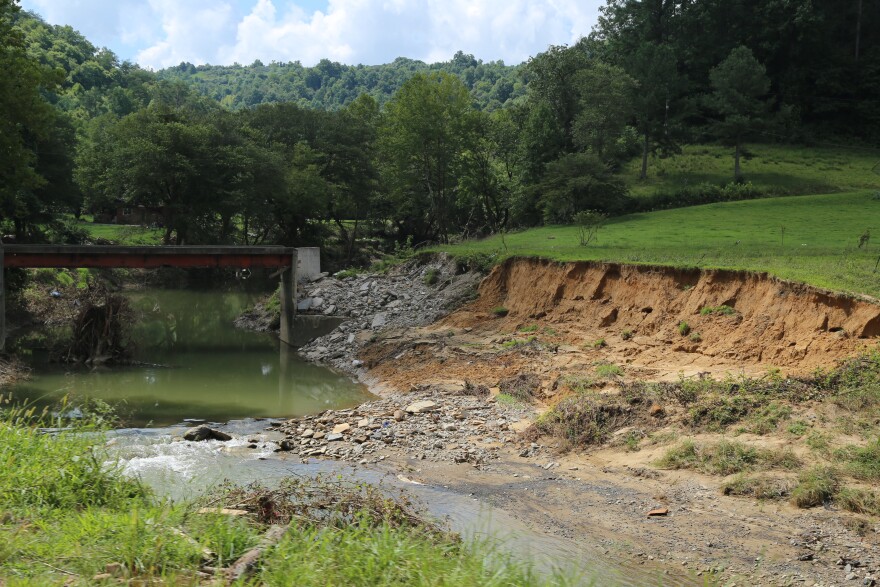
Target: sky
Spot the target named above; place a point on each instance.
(161, 33)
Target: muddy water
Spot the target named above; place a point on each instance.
(195, 364)
(182, 470)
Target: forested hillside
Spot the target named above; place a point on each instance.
(347, 155)
(330, 86)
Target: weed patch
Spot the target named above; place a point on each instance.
(608, 371)
(862, 462)
(725, 458)
(523, 387)
(583, 420)
(723, 310)
(815, 487)
(757, 486)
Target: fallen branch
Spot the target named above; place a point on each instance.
(246, 563)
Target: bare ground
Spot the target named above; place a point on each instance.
(591, 326)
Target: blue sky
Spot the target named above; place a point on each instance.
(160, 33)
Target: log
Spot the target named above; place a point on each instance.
(246, 563)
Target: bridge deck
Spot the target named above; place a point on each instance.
(146, 257)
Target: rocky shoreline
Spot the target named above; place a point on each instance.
(455, 424)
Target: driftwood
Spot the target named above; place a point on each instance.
(99, 328)
(246, 563)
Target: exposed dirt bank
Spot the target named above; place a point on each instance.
(540, 331)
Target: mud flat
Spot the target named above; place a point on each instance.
(475, 387)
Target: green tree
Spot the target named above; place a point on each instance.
(27, 120)
(428, 125)
(578, 182)
(656, 101)
(739, 90)
(606, 96)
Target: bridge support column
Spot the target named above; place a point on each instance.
(288, 299)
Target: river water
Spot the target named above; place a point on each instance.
(195, 365)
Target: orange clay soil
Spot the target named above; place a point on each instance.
(636, 311)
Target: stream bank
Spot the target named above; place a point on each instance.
(566, 326)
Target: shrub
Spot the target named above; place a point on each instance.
(522, 387)
(582, 420)
(500, 311)
(599, 344)
(684, 328)
(626, 334)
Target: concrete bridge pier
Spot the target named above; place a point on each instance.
(288, 299)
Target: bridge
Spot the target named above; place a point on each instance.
(304, 262)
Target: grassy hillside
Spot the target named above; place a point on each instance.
(819, 244)
(773, 169)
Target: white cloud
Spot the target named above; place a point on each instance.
(161, 33)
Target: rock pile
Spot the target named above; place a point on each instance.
(425, 424)
(414, 294)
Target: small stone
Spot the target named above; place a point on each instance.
(656, 411)
(357, 363)
(286, 445)
(115, 569)
(851, 576)
(361, 439)
(378, 320)
(308, 433)
(421, 406)
(319, 435)
(399, 415)
(334, 436)
(658, 512)
(340, 428)
(363, 423)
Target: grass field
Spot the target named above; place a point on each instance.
(774, 169)
(819, 245)
(123, 234)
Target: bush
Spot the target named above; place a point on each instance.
(582, 420)
(500, 311)
(684, 328)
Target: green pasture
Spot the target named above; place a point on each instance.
(813, 239)
(773, 169)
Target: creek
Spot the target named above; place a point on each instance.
(193, 364)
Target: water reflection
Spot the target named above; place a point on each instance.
(197, 365)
